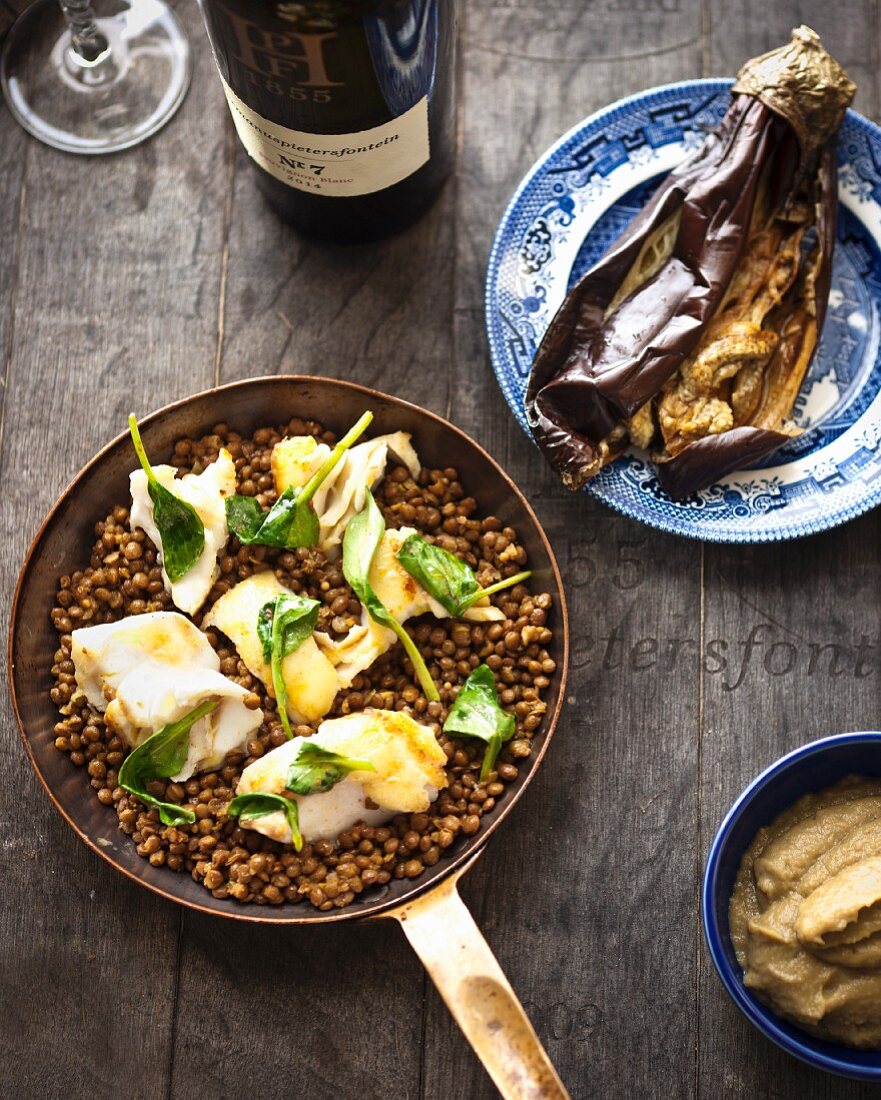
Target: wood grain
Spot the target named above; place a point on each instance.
(613, 813)
(113, 299)
(793, 644)
(329, 1012)
(379, 314)
(129, 281)
(791, 633)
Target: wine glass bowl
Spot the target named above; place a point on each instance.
(95, 85)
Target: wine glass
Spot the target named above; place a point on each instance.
(88, 83)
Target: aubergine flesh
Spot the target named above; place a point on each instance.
(692, 336)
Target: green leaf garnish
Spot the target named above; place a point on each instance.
(291, 522)
(447, 578)
(282, 626)
(247, 807)
(318, 769)
(181, 531)
(244, 517)
(478, 713)
(160, 757)
(363, 535)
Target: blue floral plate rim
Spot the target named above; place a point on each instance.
(663, 514)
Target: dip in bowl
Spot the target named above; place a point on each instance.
(812, 768)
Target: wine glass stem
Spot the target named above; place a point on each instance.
(87, 42)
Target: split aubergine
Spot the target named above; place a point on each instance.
(691, 337)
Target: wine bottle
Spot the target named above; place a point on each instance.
(345, 107)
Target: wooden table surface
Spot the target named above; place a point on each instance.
(130, 281)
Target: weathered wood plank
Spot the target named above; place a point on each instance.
(115, 306)
(379, 314)
(791, 633)
(599, 930)
(14, 142)
(791, 638)
(742, 29)
(532, 71)
(587, 894)
(331, 1012)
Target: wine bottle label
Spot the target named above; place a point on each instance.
(339, 165)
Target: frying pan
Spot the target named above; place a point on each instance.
(434, 919)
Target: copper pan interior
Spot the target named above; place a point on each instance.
(63, 544)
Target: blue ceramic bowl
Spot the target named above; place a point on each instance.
(810, 768)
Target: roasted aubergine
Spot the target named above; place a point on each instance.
(692, 336)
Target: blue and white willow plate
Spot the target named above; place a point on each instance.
(576, 201)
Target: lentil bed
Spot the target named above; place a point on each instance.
(124, 578)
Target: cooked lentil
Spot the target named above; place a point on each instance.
(124, 578)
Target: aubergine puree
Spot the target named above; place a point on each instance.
(805, 915)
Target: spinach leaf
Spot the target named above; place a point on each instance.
(282, 626)
(363, 535)
(318, 769)
(447, 578)
(478, 713)
(244, 517)
(181, 531)
(444, 576)
(291, 522)
(160, 757)
(247, 807)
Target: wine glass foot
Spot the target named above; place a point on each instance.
(110, 97)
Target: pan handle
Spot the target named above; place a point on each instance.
(446, 938)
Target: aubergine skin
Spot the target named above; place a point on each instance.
(590, 373)
(634, 327)
(708, 459)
